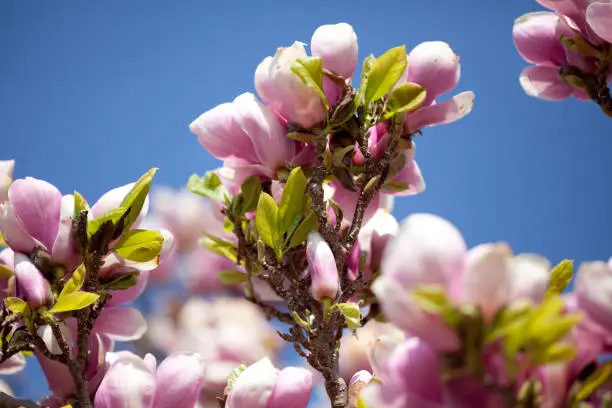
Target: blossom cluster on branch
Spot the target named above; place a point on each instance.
(297, 229)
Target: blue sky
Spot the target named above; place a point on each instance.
(93, 94)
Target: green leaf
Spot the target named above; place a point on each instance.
(16, 305)
(555, 353)
(405, 98)
(5, 272)
(220, 246)
(80, 204)
(232, 277)
(386, 71)
(509, 319)
(113, 215)
(139, 245)
(123, 281)
(310, 71)
(602, 375)
(75, 282)
(351, 313)
(301, 232)
(250, 190)
(560, 277)
(365, 72)
(301, 137)
(135, 199)
(361, 403)
(266, 220)
(433, 299)
(339, 155)
(73, 301)
(397, 186)
(209, 186)
(293, 201)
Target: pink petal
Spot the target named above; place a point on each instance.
(128, 295)
(322, 267)
(64, 250)
(440, 113)
(293, 388)
(128, 384)
(121, 323)
(536, 39)
(434, 66)
(180, 378)
(254, 386)
(37, 206)
(13, 232)
(530, 276)
(30, 282)
(13, 364)
(599, 18)
(337, 45)
(412, 176)
(219, 133)
(7, 168)
(544, 83)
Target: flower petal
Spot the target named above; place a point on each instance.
(293, 388)
(112, 199)
(544, 83)
(535, 38)
(254, 386)
(599, 18)
(440, 113)
(180, 377)
(121, 323)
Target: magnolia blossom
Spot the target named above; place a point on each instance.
(590, 18)
(353, 355)
(436, 67)
(132, 382)
(593, 292)
(322, 267)
(186, 215)
(7, 167)
(536, 36)
(599, 19)
(262, 385)
(430, 251)
(225, 332)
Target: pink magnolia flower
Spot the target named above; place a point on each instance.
(132, 382)
(337, 46)
(224, 331)
(593, 291)
(262, 385)
(7, 167)
(354, 348)
(322, 268)
(429, 250)
(280, 88)
(186, 215)
(583, 16)
(435, 67)
(409, 374)
(203, 267)
(536, 36)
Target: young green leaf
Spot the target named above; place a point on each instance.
(397, 186)
(5, 272)
(293, 200)
(301, 232)
(266, 220)
(365, 72)
(123, 281)
(560, 277)
(405, 98)
(16, 305)
(209, 186)
(75, 282)
(135, 199)
(386, 71)
(73, 301)
(310, 71)
(113, 215)
(351, 313)
(220, 246)
(250, 190)
(80, 204)
(301, 137)
(433, 299)
(232, 277)
(602, 375)
(139, 245)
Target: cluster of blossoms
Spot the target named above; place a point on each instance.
(571, 47)
(298, 228)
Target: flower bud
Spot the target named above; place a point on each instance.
(322, 267)
(434, 66)
(285, 92)
(336, 44)
(30, 282)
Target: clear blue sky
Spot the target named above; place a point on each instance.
(92, 94)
